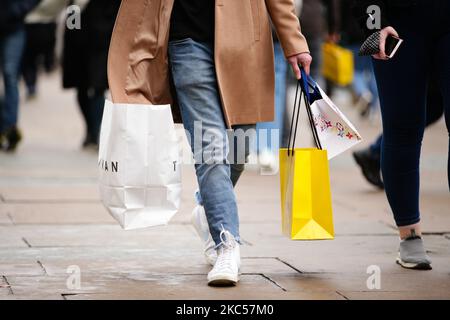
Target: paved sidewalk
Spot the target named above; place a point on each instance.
(51, 222)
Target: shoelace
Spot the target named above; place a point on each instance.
(226, 251)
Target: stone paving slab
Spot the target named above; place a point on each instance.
(420, 294)
(102, 235)
(389, 282)
(13, 267)
(87, 193)
(10, 238)
(57, 213)
(167, 286)
(51, 219)
(55, 261)
(330, 256)
(258, 293)
(4, 218)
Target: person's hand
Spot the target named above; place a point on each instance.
(302, 59)
(384, 33)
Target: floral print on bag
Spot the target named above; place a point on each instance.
(342, 131)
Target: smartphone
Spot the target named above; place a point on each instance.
(392, 45)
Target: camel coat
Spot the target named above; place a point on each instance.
(138, 66)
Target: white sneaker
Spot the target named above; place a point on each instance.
(268, 162)
(200, 224)
(226, 269)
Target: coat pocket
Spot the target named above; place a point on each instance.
(256, 18)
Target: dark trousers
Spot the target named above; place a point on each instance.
(91, 102)
(402, 85)
(434, 112)
(39, 48)
(11, 50)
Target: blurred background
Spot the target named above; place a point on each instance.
(51, 100)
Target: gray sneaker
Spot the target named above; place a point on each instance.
(412, 254)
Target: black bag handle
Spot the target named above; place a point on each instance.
(296, 114)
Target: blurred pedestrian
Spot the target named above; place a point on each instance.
(40, 25)
(223, 75)
(270, 134)
(364, 86)
(320, 22)
(402, 83)
(12, 43)
(369, 159)
(84, 61)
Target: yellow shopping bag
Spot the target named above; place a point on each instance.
(305, 194)
(305, 186)
(337, 65)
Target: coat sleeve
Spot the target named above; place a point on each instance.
(287, 26)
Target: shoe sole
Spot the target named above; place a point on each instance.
(414, 266)
(223, 281)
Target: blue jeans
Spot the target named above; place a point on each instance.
(11, 51)
(403, 83)
(267, 130)
(194, 76)
(363, 78)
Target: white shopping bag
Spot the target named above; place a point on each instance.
(140, 176)
(336, 133)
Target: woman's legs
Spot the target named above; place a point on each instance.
(402, 91)
(442, 69)
(195, 81)
(196, 85)
(402, 84)
(369, 159)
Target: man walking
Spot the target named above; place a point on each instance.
(12, 43)
(215, 59)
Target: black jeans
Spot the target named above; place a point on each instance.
(403, 84)
(91, 102)
(40, 46)
(434, 111)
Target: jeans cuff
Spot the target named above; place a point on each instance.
(407, 222)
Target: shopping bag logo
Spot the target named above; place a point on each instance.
(109, 166)
(336, 128)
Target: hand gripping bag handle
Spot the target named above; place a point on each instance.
(304, 84)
